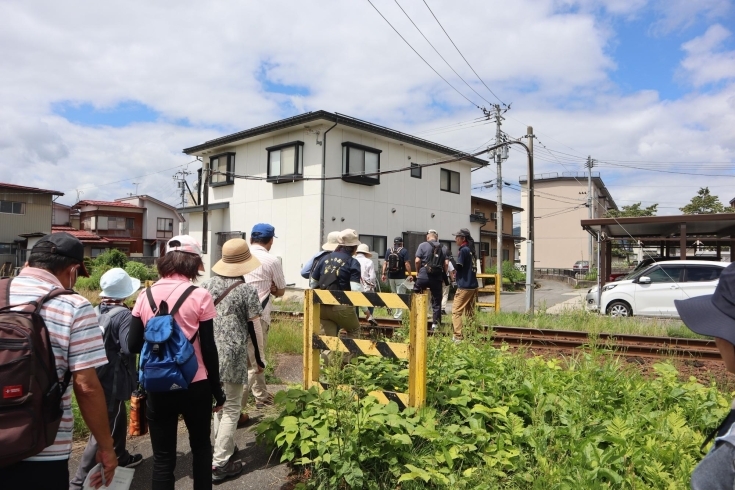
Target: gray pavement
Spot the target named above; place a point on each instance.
(549, 293)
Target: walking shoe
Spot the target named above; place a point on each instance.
(444, 312)
(372, 321)
(434, 327)
(131, 461)
(261, 404)
(221, 473)
(456, 340)
(243, 420)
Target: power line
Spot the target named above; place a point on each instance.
(422, 58)
(460, 53)
(437, 52)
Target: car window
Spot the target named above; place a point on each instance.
(697, 273)
(665, 274)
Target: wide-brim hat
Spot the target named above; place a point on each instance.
(117, 284)
(349, 238)
(363, 249)
(237, 260)
(332, 241)
(714, 314)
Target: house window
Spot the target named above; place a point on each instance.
(506, 255)
(415, 170)
(286, 162)
(115, 223)
(485, 248)
(222, 169)
(101, 223)
(358, 162)
(130, 223)
(165, 228)
(97, 251)
(87, 224)
(449, 181)
(377, 244)
(8, 248)
(12, 207)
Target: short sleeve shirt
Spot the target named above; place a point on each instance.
(424, 252)
(466, 279)
(402, 258)
(76, 341)
(198, 307)
(269, 272)
(231, 326)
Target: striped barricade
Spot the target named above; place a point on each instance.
(414, 351)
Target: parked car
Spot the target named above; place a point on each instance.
(656, 258)
(651, 291)
(581, 266)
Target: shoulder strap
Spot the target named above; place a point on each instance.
(181, 299)
(151, 301)
(5, 291)
(265, 301)
(226, 292)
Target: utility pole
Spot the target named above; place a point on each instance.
(589, 166)
(180, 178)
(529, 235)
(500, 154)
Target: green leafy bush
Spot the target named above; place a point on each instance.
(111, 257)
(499, 420)
(93, 281)
(510, 273)
(141, 271)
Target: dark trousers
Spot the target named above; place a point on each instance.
(118, 417)
(434, 285)
(38, 475)
(195, 404)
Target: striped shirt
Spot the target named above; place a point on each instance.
(270, 272)
(76, 341)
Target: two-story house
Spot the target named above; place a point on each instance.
(161, 221)
(119, 224)
(25, 216)
(320, 172)
(560, 202)
(485, 212)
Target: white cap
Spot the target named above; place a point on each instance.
(117, 284)
(186, 244)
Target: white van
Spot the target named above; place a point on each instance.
(653, 291)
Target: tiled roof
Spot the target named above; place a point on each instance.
(84, 236)
(30, 190)
(114, 204)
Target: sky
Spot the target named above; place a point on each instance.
(98, 99)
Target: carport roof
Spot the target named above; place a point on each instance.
(703, 227)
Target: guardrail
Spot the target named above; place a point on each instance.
(414, 351)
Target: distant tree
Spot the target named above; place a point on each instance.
(703, 203)
(632, 211)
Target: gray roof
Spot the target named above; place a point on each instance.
(335, 118)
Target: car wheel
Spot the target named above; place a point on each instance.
(619, 308)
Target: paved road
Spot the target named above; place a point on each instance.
(549, 294)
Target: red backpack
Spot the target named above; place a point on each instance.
(30, 392)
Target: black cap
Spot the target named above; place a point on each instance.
(712, 314)
(398, 240)
(62, 244)
(463, 232)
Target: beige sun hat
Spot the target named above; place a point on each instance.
(236, 259)
(363, 249)
(332, 241)
(348, 238)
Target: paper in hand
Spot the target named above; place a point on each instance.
(120, 481)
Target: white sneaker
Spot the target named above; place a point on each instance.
(434, 327)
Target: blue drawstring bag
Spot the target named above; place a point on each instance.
(167, 360)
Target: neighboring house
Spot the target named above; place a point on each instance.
(560, 202)
(25, 216)
(161, 221)
(93, 243)
(61, 214)
(280, 156)
(484, 211)
(119, 224)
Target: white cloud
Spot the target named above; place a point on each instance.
(704, 63)
(679, 14)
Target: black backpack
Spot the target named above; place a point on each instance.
(30, 404)
(120, 372)
(394, 260)
(329, 278)
(435, 264)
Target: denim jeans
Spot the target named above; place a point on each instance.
(38, 475)
(434, 285)
(397, 286)
(195, 404)
(717, 470)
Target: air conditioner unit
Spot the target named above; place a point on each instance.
(494, 216)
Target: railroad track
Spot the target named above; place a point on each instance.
(623, 344)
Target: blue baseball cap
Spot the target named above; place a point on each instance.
(263, 230)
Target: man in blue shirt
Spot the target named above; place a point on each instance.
(466, 274)
(397, 266)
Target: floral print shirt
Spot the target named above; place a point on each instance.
(231, 326)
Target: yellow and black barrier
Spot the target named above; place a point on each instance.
(486, 289)
(414, 351)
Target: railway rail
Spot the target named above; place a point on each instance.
(622, 344)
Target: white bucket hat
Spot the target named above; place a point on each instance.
(117, 284)
(332, 241)
(348, 238)
(363, 249)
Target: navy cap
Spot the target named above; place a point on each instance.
(398, 240)
(263, 230)
(712, 314)
(62, 244)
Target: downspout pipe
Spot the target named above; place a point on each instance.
(324, 174)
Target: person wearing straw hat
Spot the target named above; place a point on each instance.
(367, 278)
(339, 271)
(118, 377)
(237, 305)
(311, 264)
(714, 315)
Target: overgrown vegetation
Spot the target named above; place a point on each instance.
(110, 259)
(511, 274)
(498, 420)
